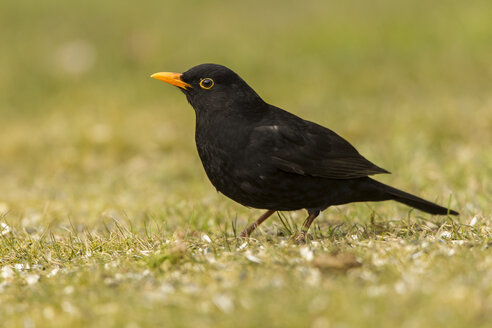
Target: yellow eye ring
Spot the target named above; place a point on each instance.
(206, 83)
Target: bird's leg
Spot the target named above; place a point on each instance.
(301, 238)
(247, 232)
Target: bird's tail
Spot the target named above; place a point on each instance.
(414, 201)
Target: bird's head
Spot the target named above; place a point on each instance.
(211, 87)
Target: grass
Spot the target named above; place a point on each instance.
(107, 218)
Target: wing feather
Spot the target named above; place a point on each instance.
(306, 148)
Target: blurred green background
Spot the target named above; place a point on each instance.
(86, 136)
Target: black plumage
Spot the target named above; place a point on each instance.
(264, 157)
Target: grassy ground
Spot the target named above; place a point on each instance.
(107, 218)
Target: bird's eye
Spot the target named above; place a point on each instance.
(206, 83)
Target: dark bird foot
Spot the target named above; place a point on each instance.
(301, 238)
(249, 230)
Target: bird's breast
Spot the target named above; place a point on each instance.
(229, 164)
(220, 161)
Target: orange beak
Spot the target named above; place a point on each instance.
(171, 78)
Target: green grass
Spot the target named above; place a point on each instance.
(107, 218)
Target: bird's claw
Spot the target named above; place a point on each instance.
(301, 238)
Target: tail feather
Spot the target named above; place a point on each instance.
(414, 201)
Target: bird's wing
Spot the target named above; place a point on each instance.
(306, 148)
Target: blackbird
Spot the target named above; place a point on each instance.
(264, 157)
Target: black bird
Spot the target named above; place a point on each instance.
(264, 157)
